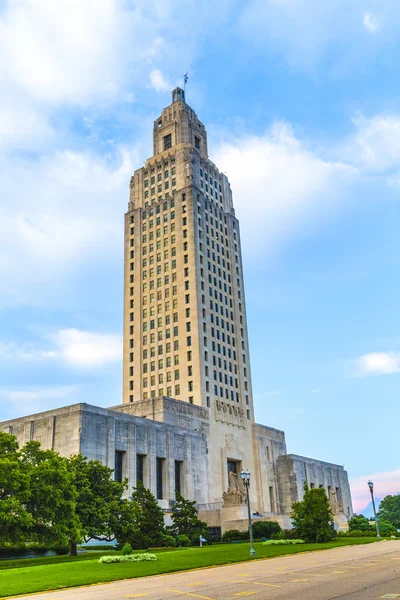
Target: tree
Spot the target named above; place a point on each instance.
(389, 510)
(150, 519)
(99, 503)
(360, 523)
(15, 520)
(52, 494)
(386, 528)
(185, 520)
(312, 517)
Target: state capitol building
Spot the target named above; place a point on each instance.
(187, 419)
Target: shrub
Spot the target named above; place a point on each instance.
(126, 550)
(182, 541)
(145, 557)
(355, 533)
(234, 534)
(282, 542)
(166, 541)
(265, 529)
(21, 549)
(386, 528)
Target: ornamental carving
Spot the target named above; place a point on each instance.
(235, 495)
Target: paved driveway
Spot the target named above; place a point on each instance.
(354, 572)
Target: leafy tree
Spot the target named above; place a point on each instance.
(389, 510)
(386, 528)
(15, 519)
(149, 522)
(360, 523)
(265, 529)
(312, 517)
(185, 520)
(100, 507)
(52, 494)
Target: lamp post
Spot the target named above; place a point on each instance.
(371, 489)
(245, 475)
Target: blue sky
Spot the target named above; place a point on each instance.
(301, 100)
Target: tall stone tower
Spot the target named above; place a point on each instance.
(185, 331)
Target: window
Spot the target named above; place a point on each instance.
(140, 468)
(118, 465)
(159, 477)
(197, 142)
(167, 141)
(178, 476)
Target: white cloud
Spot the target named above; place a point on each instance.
(22, 402)
(288, 186)
(59, 213)
(386, 482)
(310, 34)
(37, 393)
(375, 145)
(72, 347)
(84, 349)
(68, 51)
(371, 22)
(158, 82)
(378, 363)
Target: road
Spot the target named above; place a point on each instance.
(353, 572)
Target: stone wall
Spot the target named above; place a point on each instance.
(294, 471)
(99, 432)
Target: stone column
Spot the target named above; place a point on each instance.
(28, 431)
(131, 458)
(51, 424)
(170, 466)
(151, 459)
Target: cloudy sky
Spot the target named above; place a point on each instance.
(301, 99)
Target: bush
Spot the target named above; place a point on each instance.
(182, 541)
(30, 549)
(145, 557)
(234, 534)
(126, 550)
(166, 541)
(265, 529)
(386, 528)
(282, 542)
(355, 533)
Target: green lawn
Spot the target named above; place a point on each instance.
(63, 571)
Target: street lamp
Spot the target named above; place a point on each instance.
(371, 489)
(245, 475)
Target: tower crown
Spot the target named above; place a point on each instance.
(178, 95)
(179, 125)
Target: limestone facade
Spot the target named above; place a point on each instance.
(167, 444)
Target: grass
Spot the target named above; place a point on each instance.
(52, 573)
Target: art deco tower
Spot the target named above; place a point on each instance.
(185, 330)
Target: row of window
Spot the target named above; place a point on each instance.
(159, 177)
(120, 467)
